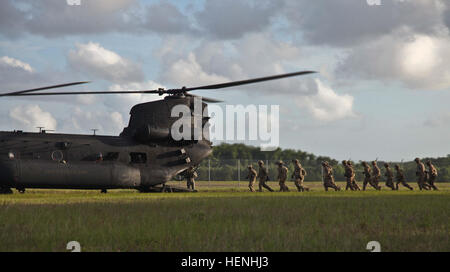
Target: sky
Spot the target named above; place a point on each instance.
(382, 91)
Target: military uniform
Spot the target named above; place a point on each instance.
(421, 175)
(328, 178)
(299, 176)
(432, 174)
(389, 177)
(376, 174)
(251, 178)
(368, 177)
(401, 178)
(191, 175)
(282, 177)
(263, 177)
(352, 175)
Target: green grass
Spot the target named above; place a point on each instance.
(224, 218)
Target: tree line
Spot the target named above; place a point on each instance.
(228, 162)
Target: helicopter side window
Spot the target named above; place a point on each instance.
(138, 157)
(111, 156)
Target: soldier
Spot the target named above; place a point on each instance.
(376, 174)
(263, 177)
(389, 177)
(191, 175)
(432, 174)
(299, 176)
(368, 176)
(421, 175)
(282, 176)
(251, 177)
(328, 178)
(353, 176)
(401, 178)
(348, 174)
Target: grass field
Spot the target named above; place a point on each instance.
(224, 217)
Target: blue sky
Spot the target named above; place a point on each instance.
(382, 91)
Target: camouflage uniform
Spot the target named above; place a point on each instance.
(299, 176)
(368, 176)
(421, 175)
(251, 177)
(263, 177)
(352, 176)
(389, 177)
(432, 174)
(282, 177)
(328, 178)
(191, 175)
(401, 178)
(376, 174)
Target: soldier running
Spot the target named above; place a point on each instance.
(389, 177)
(328, 178)
(251, 176)
(191, 175)
(401, 178)
(421, 175)
(376, 174)
(432, 174)
(368, 176)
(263, 177)
(282, 176)
(299, 176)
(353, 176)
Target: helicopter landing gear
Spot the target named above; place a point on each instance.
(5, 191)
(104, 191)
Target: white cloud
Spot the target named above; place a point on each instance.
(91, 58)
(326, 104)
(14, 63)
(419, 61)
(31, 116)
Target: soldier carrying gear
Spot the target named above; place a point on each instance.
(282, 176)
(299, 176)
(251, 176)
(353, 176)
(432, 174)
(376, 174)
(389, 177)
(263, 177)
(368, 177)
(421, 175)
(401, 178)
(348, 176)
(328, 178)
(191, 175)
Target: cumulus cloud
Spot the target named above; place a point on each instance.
(31, 116)
(419, 61)
(227, 19)
(91, 58)
(326, 104)
(350, 22)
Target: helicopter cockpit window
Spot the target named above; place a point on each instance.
(111, 156)
(138, 157)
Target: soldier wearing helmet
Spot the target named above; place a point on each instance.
(282, 176)
(299, 176)
(263, 177)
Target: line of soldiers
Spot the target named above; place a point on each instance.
(372, 176)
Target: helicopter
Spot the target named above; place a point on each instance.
(145, 156)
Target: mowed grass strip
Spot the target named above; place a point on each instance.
(124, 220)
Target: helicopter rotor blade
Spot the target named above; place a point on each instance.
(247, 81)
(44, 88)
